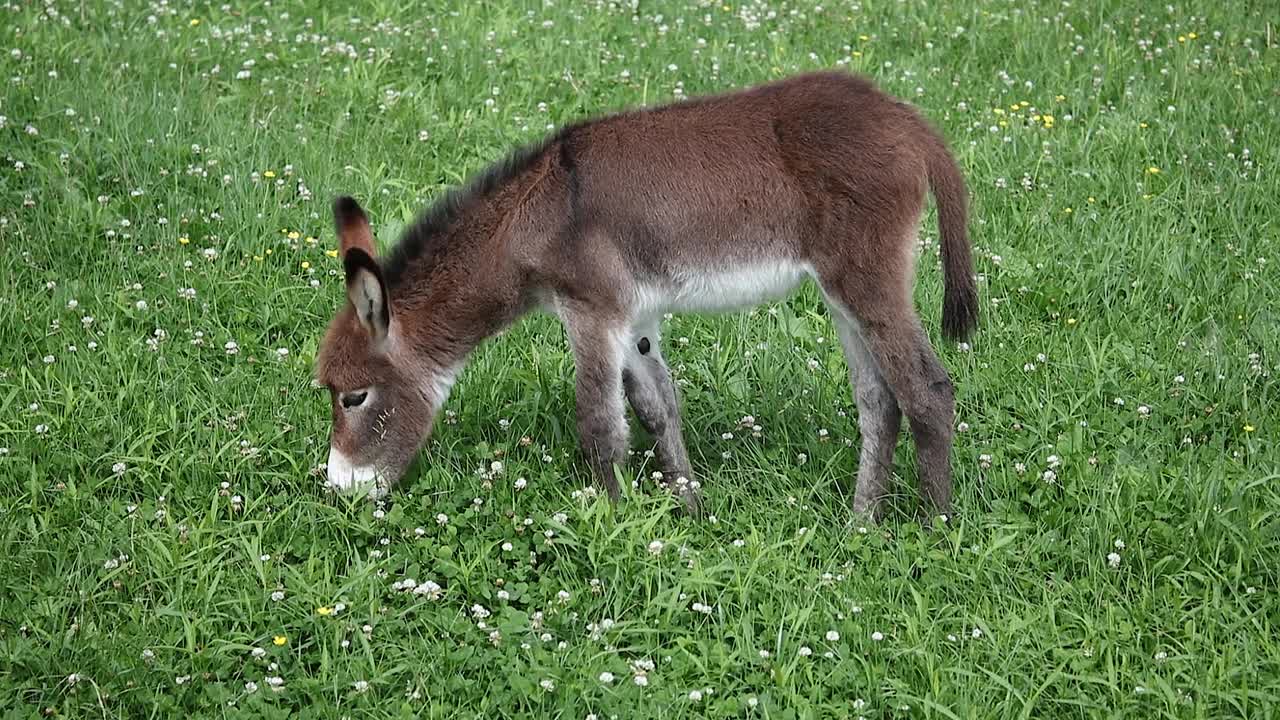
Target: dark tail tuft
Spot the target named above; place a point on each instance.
(960, 298)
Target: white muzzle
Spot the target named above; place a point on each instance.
(347, 478)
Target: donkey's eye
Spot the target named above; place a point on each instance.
(350, 400)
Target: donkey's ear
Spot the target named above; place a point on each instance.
(353, 227)
(367, 292)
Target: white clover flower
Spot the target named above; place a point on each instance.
(430, 589)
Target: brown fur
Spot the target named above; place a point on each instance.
(603, 220)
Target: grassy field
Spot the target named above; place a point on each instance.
(168, 266)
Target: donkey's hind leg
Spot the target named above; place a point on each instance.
(879, 418)
(880, 303)
(652, 394)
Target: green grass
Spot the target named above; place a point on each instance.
(155, 490)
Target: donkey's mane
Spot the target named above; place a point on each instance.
(423, 241)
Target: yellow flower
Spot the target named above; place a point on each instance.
(269, 251)
(324, 610)
(1014, 107)
(1142, 125)
(312, 240)
(184, 240)
(331, 253)
(1182, 38)
(1191, 35)
(1153, 170)
(1023, 103)
(269, 174)
(1071, 321)
(857, 53)
(1059, 98)
(258, 258)
(1067, 211)
(294, 234)
(194, 22)
(998, 111)
(1090, 200)
(1248, 428)
(279, 640)
(863, 38)
(305, 265)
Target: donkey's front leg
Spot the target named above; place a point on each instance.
(652, 394)
(597, 343)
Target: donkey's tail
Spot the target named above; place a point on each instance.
(960, 297)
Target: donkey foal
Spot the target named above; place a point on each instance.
(711, 204)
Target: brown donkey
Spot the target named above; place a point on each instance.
(710, 204)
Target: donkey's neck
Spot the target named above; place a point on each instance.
(463, 280)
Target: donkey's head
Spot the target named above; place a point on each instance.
(384, 397)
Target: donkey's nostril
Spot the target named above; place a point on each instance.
(350, 400)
